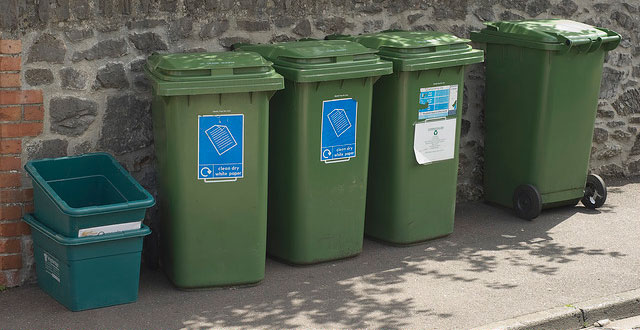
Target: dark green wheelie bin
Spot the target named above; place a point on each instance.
(319, 147)
(542, 85)
(415, 131)
(210, 122)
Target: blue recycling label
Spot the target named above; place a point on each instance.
(338, 139)
(436, 102)
(220, 147)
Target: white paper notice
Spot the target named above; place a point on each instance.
(434, 140)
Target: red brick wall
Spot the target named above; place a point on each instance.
(21, 115)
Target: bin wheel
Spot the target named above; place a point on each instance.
(527, 202)
(150, 249)
(595, 192)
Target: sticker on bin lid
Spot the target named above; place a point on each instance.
(338, 130)
(220, 147)
(436, 102)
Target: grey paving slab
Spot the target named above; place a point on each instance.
(631, 323)
(494, 267)
(597, 311)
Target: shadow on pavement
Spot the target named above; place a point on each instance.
(331, 298)
(352, 293)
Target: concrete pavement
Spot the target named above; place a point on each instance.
(576, 315)
(631, 323)
(494, 267)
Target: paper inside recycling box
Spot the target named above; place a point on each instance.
(95, 231)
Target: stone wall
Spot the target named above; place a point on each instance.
(87, 55)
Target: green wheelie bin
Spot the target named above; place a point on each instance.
(210, 122)
(319, 147)
(415, 131)
(542, 86)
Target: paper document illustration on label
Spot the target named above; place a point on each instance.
(221, 138)
(339, 121)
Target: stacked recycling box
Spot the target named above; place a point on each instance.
(87, 230)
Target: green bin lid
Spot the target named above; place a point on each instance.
(211, 73)
(418, 50)
(548, 34)
(321, 60)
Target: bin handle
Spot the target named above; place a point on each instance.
(595, 45)
(157, 63)
(590, 45)
(582, 44)
(336, 36)
(491, 26)
(612, 40)
(609, 39)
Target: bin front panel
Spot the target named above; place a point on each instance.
(316, 206)
(212, 233)
(408, 202)
(539, 117)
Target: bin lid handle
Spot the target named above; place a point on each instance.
(590, 45)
